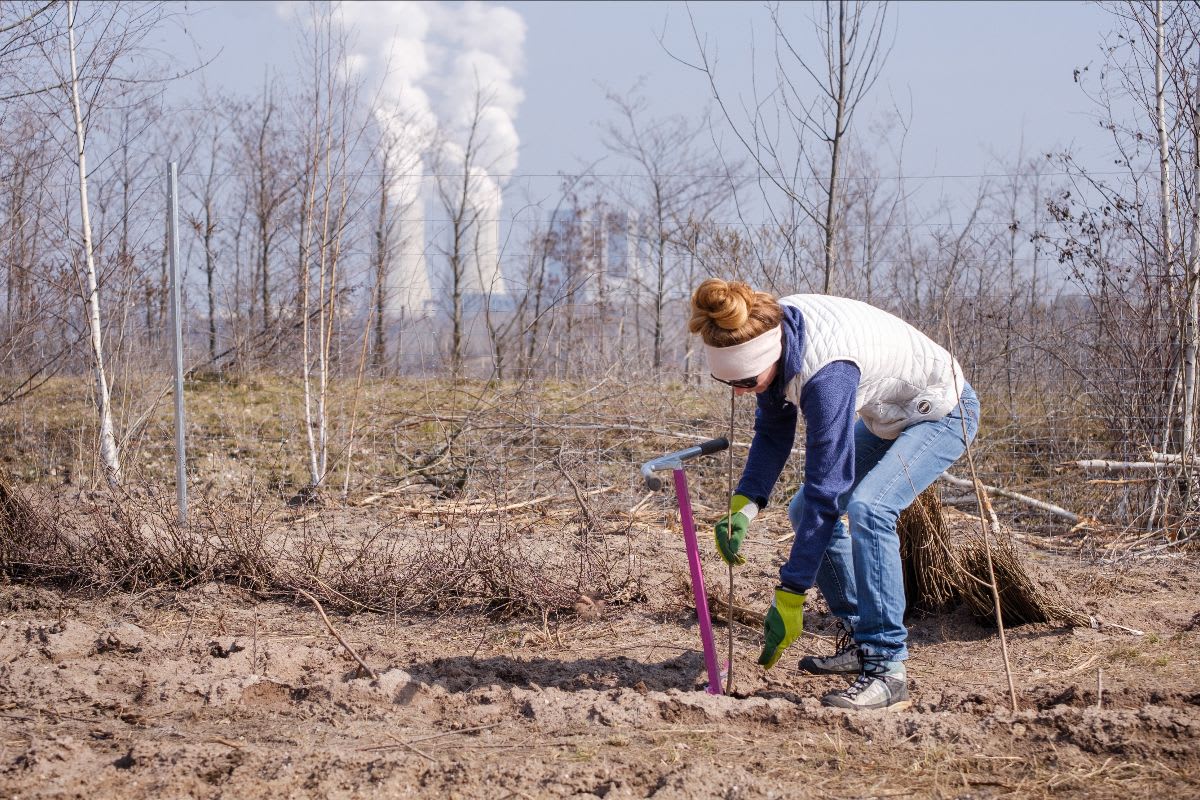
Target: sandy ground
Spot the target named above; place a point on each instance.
(211, 692)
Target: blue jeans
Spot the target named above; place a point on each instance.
(860, 573)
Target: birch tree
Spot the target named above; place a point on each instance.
(796, 134)
(1121, 235)
(109, 457)
(466, 193)
(1192, 314)
(673, 184)
(317, 193)
(329, 177)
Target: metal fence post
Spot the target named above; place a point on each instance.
(177, 338)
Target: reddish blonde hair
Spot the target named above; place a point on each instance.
(726, 313)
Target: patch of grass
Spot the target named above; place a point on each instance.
(1130, 655)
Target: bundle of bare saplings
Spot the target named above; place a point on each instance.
(945, 559)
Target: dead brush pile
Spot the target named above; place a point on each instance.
(459, 559)
(32, 545)
(118, 541)
(452, 559)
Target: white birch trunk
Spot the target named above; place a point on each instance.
(1164, 202)
(307, 211)
(314, 473)
(1115, 466)
(109, 455)
(335, 260)
(324, 318)
(1193, 284)
(1156, 460)
(323, 169)
(327, 276)
(1160, 120)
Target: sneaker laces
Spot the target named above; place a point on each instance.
(845, 638)
(872, 667)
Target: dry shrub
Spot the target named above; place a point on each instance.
(32, 545)
(945, 562)
(116, 541)
(455, 562)
(504, 565)
(135, 542)
(507, 565)
(372, 570)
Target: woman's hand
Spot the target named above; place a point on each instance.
(784, 623)
(731, 529)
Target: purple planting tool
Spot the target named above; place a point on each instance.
(674, 462)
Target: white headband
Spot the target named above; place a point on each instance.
(745, 360)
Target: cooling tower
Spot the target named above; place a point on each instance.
(409, 295)
(483, 282)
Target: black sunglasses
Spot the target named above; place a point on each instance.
(739, 383)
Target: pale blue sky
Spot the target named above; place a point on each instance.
(979, 76)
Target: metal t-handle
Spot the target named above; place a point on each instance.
(676, 459)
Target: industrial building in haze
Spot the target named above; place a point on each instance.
(591, 269)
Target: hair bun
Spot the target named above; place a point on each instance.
(726, 303)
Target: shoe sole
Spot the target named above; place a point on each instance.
(903, 705)
(900, 703)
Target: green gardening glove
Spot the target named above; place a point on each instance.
(730, 541)
(784, 622)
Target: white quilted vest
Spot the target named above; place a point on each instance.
(906, 376)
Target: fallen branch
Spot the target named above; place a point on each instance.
(401, 743)
(1075, 670)
(1127, 629)
(481, 508)
(718, 607)
(645, 499)
(369, 499)
(1157, 461)
(1113, 466)
(1042, 505)
(471, 508)
(336, 635)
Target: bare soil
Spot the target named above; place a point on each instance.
(212, 691)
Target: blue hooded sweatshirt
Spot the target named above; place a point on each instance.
(827, 403)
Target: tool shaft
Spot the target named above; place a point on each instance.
(697, 572)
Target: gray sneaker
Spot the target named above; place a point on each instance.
(881, 684)
(844, 661)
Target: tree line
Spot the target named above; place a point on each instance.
(1069, 294)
